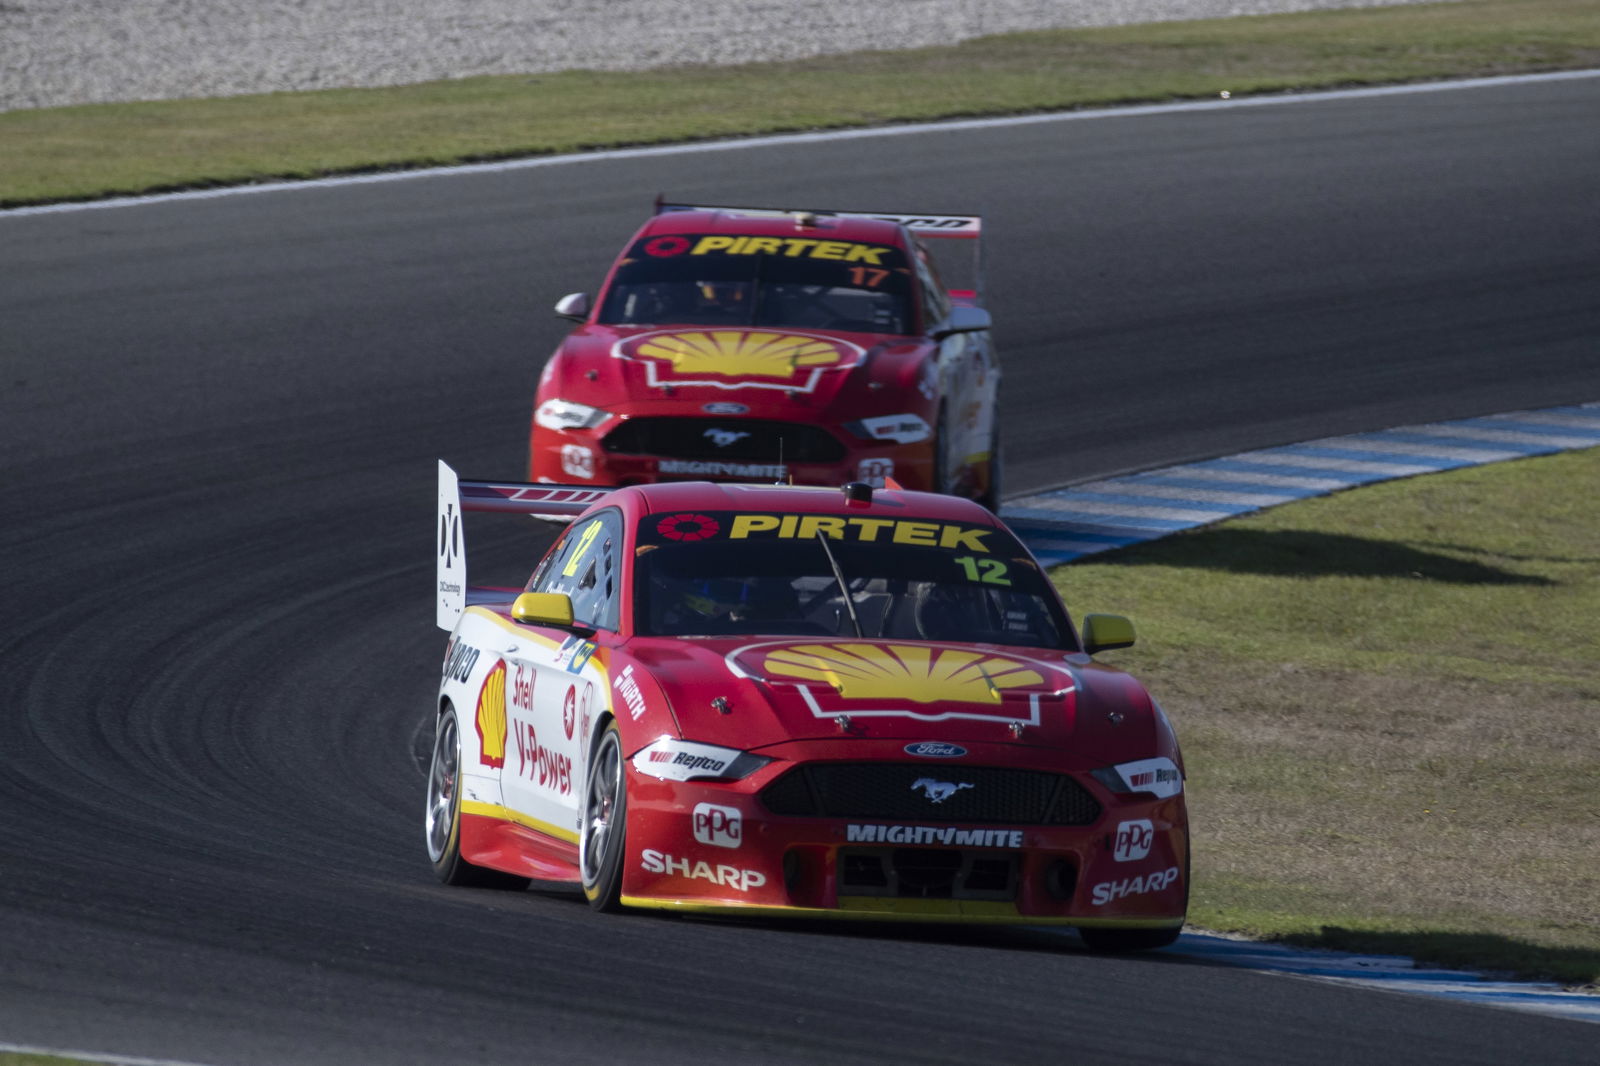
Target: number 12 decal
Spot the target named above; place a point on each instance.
(987, 571)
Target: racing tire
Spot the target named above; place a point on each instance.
(603, 838)
(939, 481)
(991, 493)
(1120, 941)
(442, 822)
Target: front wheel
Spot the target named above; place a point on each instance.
(443, 823)
(604, 829)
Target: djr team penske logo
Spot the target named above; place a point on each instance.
(737, 358)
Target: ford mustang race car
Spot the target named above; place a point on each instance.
(749, 344)
(789, 700)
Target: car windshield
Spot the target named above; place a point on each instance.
(730, 572)
(730, 280)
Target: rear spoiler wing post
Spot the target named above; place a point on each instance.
(458, 495)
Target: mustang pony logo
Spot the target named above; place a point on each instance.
(724, 437)
(938, 791)
(737, 358)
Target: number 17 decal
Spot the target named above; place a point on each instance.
(868, 277)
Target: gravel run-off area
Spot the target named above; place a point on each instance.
(55, 53)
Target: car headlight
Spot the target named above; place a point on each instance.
(901, 429)
(1160, 777)
(687, 760)
(565, 414)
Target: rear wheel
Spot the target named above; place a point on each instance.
(443, 822)
(604, 829)
(940, 480)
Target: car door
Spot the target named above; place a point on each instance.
(552, 686)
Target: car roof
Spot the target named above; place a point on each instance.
(776, 223)
(806, 499)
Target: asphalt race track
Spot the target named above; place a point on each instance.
(220, 421)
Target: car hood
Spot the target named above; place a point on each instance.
(722, 370)
(777, 690)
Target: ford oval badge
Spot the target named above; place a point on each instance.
(935, 749)
(724, 408)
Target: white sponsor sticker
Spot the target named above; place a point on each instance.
(875, 471)
(1133, 840)
(902, 429)
(577, 461)
(683, 760)
(1159, 776)
(721, 827)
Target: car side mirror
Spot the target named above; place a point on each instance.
(543, 608)
(574, 306)
(964, 319)
(1102, 632)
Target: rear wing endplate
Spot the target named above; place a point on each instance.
(459, 495)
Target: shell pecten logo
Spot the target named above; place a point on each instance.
(902, 671)
(490, 720)
(731, 357)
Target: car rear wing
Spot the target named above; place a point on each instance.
(942, 227)
(459, 495)
(965, 227)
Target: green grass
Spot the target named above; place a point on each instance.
(1389, 701)
(94, 151)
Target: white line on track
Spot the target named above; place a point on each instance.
(1393, 973)
(1266, 100)
(1069, 523)
(90, 1056)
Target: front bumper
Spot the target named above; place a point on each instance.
(569, 457)
(715, 847)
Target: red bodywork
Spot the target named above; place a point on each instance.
(905, 779)
(798, 396)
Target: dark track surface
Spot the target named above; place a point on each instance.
(220, 420)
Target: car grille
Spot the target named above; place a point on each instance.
(696, 438)
(923, 873)
(898, 792)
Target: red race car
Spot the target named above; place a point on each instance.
(752, 344)
(797, 701)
